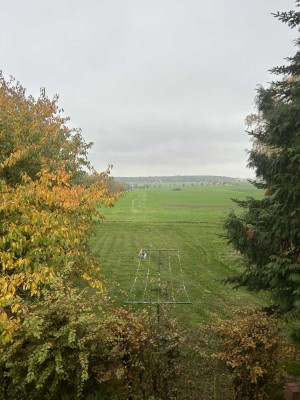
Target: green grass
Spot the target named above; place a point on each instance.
(189, 220)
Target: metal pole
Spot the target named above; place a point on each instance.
(158, 288)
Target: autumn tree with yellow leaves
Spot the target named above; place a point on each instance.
(45, 216)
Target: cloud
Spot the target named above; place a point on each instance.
(160, 86)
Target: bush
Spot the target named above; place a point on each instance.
(251, 346)
(71, 346)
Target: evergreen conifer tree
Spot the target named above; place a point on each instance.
(268, 231)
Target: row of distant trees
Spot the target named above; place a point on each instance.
(179, 179)
(175, 185)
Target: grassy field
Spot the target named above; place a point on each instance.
(187, 218)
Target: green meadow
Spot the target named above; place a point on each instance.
(187, 219)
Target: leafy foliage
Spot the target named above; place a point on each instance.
(72, 346)
(45, 215)
(252, 346)
(33, 133)
(268, 233)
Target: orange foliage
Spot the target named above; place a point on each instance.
(251, 347)
(35, 130)
(45, 217)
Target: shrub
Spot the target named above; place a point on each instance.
(73, 346)
(251, 346)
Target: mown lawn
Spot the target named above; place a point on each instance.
(190, 220)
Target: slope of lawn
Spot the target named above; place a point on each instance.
(187, 218)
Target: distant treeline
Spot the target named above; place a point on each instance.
(179, 179)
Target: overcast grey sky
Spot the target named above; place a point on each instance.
(161, 87)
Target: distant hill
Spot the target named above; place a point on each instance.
(180, 179)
